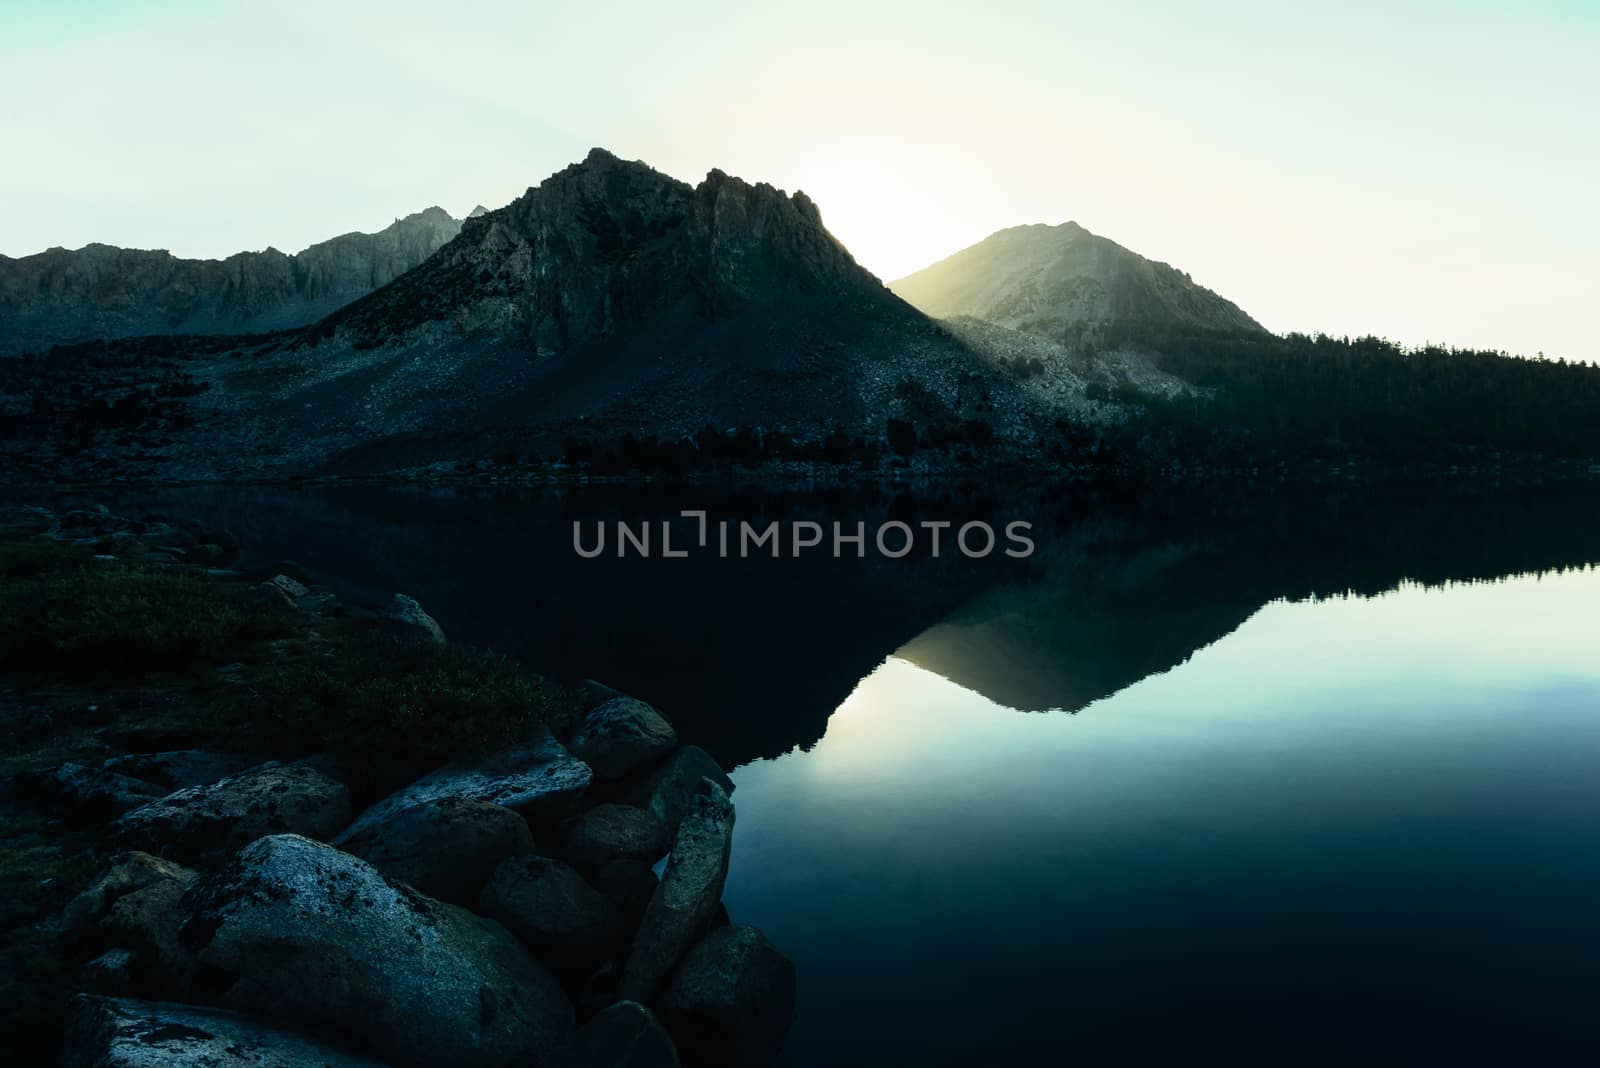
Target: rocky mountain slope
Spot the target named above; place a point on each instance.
(1066, 284)
(609, 299)
(97, 292)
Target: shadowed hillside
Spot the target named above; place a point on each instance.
(98, 292)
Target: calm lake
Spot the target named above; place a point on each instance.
(1294, 779)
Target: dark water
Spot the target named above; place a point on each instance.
(1309, 779)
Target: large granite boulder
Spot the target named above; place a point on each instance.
(322, 939)
(553, 911)
(620, 735)
(121, 1033)
(685, 904)
(447, 847)
(270, 798)
(540, 780)
(731, 1002)
(666, 792)
(611, 832)
(624, 1035)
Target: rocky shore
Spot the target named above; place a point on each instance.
(554, 899)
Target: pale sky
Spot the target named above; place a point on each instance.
(1423, 171)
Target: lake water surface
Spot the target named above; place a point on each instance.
(1310, 780)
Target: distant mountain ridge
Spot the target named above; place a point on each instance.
(1064, 283)
(98, 292)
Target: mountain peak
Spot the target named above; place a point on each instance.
(1054, 281)
(606, 243)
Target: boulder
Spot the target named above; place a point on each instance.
(321, 938)
(625, 1035)
(665, 793)
(293, 589)
(128, 872)
(148, 920)
(539, 780)
(407, 616)
(90, 794)
(628, 885)
(134, 905)
(121, 1033)
(731, 1002)
(270, 798)
(621, 735)
(112, 972)
(614, 832)
(180, 769)
(592, 694)
(684, 905)
(447, 847)
(553, 911)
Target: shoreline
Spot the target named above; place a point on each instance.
(533, 832)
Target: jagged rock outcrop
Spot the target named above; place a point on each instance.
(607, 244)
(59, 297)
(1063, 282)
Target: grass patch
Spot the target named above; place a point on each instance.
(27, 558)
(114, 619)
(390, 708)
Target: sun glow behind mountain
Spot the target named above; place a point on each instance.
(1436, 196)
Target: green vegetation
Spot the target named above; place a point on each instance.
(348, 685)
(1302, 397)
(388, 707)
(103, 619)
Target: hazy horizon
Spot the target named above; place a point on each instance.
(1416, 172)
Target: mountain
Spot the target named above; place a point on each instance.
(610, 299)
(1065, 283)
(99, 291)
